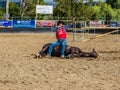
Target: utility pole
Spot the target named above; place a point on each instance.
(7, 9)
(36, 13)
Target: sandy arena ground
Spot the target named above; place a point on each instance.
(20, 71)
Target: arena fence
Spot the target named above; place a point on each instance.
(80, 30)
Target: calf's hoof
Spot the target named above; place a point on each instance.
(69, 56)
(37, 56)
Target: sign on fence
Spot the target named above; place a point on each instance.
(44, 9)
(95, 23)
(118, 24)
(5, 23)
(23, 23)
(113, 24)
(45, 23)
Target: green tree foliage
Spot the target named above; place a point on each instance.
(75, 8)
(1, 13)
(87, 11)
(95, 12)
(13, 9)
(118, 14)
(63, 8)
(114, 3)
(69, 8)
(106, 11)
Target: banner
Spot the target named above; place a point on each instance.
(44, 9)
(45, 23)
(95, 23)
(23, 23)
(5, 23)
(118, 24)
(113, 24)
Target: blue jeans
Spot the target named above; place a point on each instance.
(61, 42)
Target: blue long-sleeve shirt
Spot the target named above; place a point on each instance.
(65, 27)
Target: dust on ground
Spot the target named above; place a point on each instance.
(20, 71)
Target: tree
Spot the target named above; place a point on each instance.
(28, 7)
(114, 3)
(118, 14)
(95, 12)
(107, 12)
(1, 13)
(67, 8)
(63, 8)
(13, 9)
(86, 10)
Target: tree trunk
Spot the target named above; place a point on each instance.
(7, 9)
(22, 8)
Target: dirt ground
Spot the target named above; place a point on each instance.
(20, 71)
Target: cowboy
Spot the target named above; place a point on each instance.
(61, 38)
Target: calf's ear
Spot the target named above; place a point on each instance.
(93, 49)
